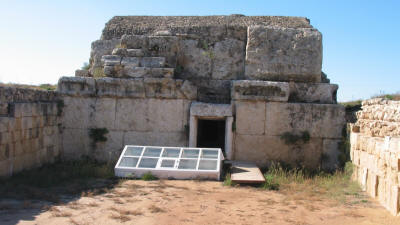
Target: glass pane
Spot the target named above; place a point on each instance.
(189, 164)
(133, 151)
(168, 163)
(190, 153)
(128, 162)
(209, 154)
(152, 152)
(148, 163)
(171, 152)
(208, 165)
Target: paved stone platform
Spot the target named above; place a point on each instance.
(246, 173)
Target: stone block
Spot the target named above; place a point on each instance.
(263, 150)
(152, 62)
(109, 151)
(134, 41)
(250, 117)
(136, 72)
(331, 152)
(228, 60)
(132, 114)
(79, 86)
(135, 53)
(120, 52)
(171, 139)
(165, 46)
(186, 90)
(195, 61)
(260, 90)
(100, 48)
(76, 143)
(213, 91)
(283, 54)
(210, 110)
(5, 168)
(165, 115)
(4, 124)
(160, 88)
(82, 73)
(313, 92)
(320, 120)
(104, 113)
(77, 112)
(116, 87)
(130, 61)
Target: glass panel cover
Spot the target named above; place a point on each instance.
(190, 153)
(168, 163)
(148, 163)
(209, 154)
(152, 152)
(188, 164)
(171, 152)
(208, 164)
(128, 162)
(133, 151)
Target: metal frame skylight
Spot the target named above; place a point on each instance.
(170, 162)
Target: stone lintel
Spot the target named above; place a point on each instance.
(260, 90)
(210, 110)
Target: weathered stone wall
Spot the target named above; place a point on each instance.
(375, 151)
(30, 128)
(134, 111)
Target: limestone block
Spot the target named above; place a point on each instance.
(162, 72)
(5, 168)
(4, 124)
(250, 117)
(135, 53)
(120, 52)
(330, 149)
(213, 91)
(186, 90)
(313, 92)
(283, 54)
(82, 73)
(228, 60)
(194, 60)
(132, 114)
(76, 143)
(77, 112)
(160, 88)
(104, 113)
(136, 72)
(134, 41)
(260, 90)
(287, 117)
(210, 109)
(394, 202)
(100, 48)
(353, 140)
(116, 87)
(76, 86)
(111, 60)
(23, 109)
(165, 46)
(107, 151)
(165, 115)
(394, 145)
(155, 138)
(152, 62)
(27, 123)
(130, 61)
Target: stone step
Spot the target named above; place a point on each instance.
(136, 72)
(124, 52)
(151, 62)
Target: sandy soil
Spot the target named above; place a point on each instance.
(193, 202)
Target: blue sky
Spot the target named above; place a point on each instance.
(43, 40)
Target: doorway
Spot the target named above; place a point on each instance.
(211, 133)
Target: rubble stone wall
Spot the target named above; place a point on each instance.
(30, 129)
(375, 151)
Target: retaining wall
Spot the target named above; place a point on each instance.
(30, 129)
(375, 151)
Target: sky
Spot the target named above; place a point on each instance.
(41, 41)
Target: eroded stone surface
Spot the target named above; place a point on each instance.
(210, 110)
(283, 54)
(260, 90)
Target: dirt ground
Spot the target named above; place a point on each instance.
(193, 202)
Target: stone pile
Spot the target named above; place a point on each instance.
(375, 151)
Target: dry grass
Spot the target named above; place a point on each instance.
(122, 218)
(155, 209)
(56, 212)
(125, 212)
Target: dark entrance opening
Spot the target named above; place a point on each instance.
(211, 134)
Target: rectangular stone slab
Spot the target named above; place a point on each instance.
(246, 173)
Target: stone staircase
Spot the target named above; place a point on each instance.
(133, 63)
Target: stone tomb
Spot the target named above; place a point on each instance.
(248, 85)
